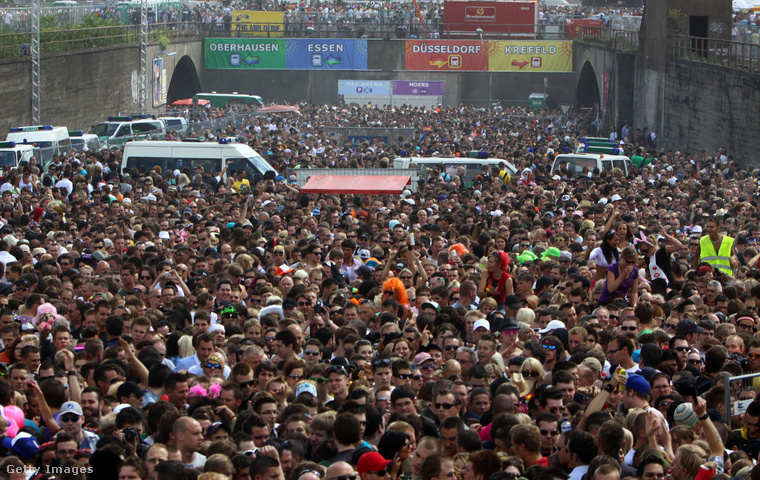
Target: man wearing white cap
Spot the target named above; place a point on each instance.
(71, 419)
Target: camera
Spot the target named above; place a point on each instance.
(130, 434)
(167, 274)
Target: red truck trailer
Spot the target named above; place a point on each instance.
(515, 19)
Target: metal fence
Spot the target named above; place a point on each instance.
(727, 53)
(740, 392)
(361, 134)
(303, 174)
(16, 44)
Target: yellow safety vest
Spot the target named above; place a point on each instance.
(721, 259)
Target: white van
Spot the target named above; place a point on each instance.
(577, 162)
(472, 166)
(13, 154)
(212, 156)
(49, 139)
(175, 124)
(80, 140)
(120, 130)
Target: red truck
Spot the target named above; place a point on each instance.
(583, 27)
(515, 19)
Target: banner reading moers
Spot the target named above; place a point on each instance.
(245, 53)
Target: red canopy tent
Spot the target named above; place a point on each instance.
(357, 184)
(188, 102)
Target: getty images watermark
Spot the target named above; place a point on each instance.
(28, 469)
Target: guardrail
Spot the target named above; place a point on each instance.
(15, 45)
(727, 53)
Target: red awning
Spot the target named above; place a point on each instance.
(188, 102)
(357, 184)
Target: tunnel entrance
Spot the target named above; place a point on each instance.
(185, 82)
(587, 91)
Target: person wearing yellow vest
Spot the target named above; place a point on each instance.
(716, 249)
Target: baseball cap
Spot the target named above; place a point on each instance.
(482, 323)
(513, 302)
(421, 358)
(23, 444)
(638, 384)
(71, 407)
(211, 429)
(306, 388)
(553, 325)
(430, 304)
(371, 462)
(687, 326)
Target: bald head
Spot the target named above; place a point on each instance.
(339, 469)
(184, 425)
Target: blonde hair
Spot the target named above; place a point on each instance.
(526, 316)
(186, 348)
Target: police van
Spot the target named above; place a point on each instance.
(175, 124)
(80, 140)
(580, 164)
(14, 154)
(49, 139)
(213, 156)
(120, 130)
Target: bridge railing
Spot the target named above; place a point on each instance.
(727, 53)
(15, 45)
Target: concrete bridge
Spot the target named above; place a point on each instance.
(690, 104)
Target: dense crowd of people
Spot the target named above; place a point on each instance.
(549, 325)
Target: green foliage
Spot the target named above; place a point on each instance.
(49, 22)
(161, 37)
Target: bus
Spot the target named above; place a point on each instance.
(220, 100)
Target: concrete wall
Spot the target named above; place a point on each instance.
(77, 90)
(709, 107)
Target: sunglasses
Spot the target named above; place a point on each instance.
(404, 376)
(429, 366)
(445, 406)
(319, 380)
(381, 361)
(249, 383)
(295, 376)
(553, 433)
(310, 352)
(451, 347)
(215, 366)
(549, 346)
(627, 328)
(70, 418)
(381, 473)
(681, 349)
(530, 374)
